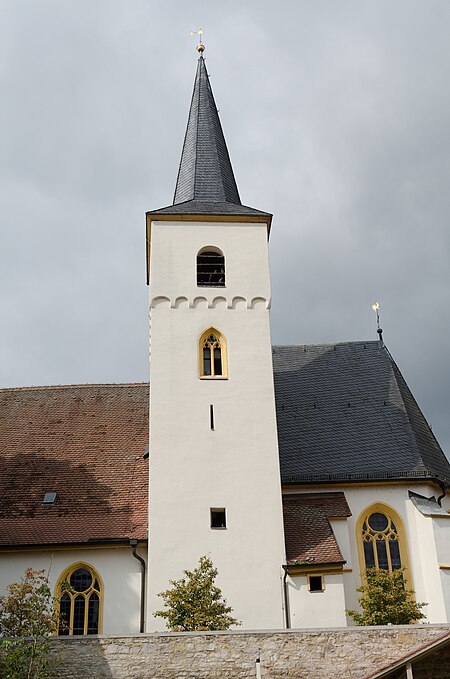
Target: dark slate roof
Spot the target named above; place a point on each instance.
(205, 183)
(345, 413)
(84, 442)
(196, 207)
(205, 171)
(307, 529)
(428, 506)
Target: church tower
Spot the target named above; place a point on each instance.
(214, 467)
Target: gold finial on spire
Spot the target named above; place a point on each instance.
(199, 32)
(376, 308)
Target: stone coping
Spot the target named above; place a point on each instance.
(297, 630)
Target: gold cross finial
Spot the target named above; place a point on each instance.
(376, 308)
(199, 32)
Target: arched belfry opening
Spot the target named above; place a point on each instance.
(211, 268)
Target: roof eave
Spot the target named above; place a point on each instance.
(80, 544)
(325, 567)
(339, 479)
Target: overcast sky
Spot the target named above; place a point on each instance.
(336, 114)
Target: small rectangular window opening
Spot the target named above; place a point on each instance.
(49, 498)
(218, 518)
(315, 583)
(211, 417)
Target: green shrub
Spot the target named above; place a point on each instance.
(195, 603)
(385, 600)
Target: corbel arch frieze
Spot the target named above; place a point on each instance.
(237, 302)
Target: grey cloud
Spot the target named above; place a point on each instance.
(336, 116)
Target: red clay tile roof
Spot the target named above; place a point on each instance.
(308, 533)
(84, 442)
(436, 646)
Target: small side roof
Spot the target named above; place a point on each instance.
(308, 532)
(427, 506)
(439, 646)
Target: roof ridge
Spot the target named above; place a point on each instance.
(182, 151)
(402, 385)
(196, 125)
(221, 168)
(76, 386)
(327, 344)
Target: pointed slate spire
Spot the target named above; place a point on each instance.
(205, 182)
(205, 172)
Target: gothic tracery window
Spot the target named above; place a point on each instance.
(80, 599)
(212, 354)
(381, 542)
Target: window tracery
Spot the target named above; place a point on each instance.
(80, 601)
(381, 542)
(212, 354)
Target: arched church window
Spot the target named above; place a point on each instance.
(382, 539)
(211, 268)
(212, 354)
(80, 595)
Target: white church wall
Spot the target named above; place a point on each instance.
(427, 581)
(341, 531)
(441, 529)
(118, 569)
(316, 609)
(235, 466)
(445, 580)
(446, 502)
(423, 538)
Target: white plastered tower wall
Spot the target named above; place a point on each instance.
(235, 466)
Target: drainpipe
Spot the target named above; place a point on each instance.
(133, 545)
(286, 598)
(444, 493)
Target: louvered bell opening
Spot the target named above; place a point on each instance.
(211, 270)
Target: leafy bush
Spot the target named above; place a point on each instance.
(195, 603)
(386, 601)
(27, 619)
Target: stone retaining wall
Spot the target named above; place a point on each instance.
(306, 654)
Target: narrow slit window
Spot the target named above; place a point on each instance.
(211, 417)
(218, 518)
(211, 269)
